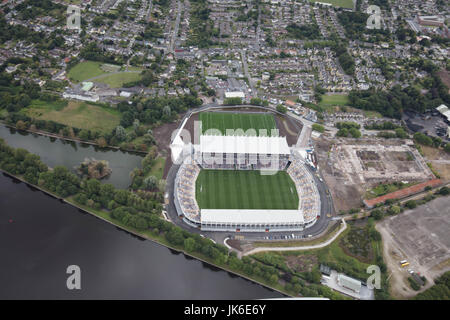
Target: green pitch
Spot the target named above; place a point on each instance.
(239, 189)
(237, 120)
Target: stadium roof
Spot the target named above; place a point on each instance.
(234, 94)
(443, 109)
(243, 144)
(241, 216)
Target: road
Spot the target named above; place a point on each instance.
(317, 246)
(175, 29)
(247, 74)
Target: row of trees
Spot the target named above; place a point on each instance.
(141, 211)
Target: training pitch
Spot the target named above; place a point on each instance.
(244, 121)
(239, 189)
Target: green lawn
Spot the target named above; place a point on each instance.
(337, 3)
(334, 100)
(230, 189)
(75, 114)
(237, 120)
(118, 79)
(86, 70)
(104, 73)
(158, 168)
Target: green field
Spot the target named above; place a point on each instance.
(117, 80)
(75, 114)
(334, 100)
(86, 70)
(337, 3)
(104, 73)
(230, 189)
(158, 168)
(237, 120)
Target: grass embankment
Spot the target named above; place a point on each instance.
(358, 247)
(75, 114)
(300, 243)
(385, 188)
(157, 169)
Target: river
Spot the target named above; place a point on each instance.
(55, 152)
(41, 236)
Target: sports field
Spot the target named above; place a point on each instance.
(239, 189)
(237, 120)
(337, 3)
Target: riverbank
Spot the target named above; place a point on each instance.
(56, 136)
(147, 235)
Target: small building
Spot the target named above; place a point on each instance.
(445, 112)
(431, 21)
(234, 94)
(87, 86)
(325, 270)
(349, 283)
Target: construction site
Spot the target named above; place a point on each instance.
(419, 236)
(350, 167)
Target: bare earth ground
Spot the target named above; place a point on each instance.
(421, 237)
(445, 77)
(350, 167)
(440, 161)
(163, 135)
(345, 195)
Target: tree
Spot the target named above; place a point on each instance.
(318, 127)
(355, 133)
(189, 245)
(120, 133)
(410, 204)
(281, 108)
(150, 182)
(377, 214)
(447, 148)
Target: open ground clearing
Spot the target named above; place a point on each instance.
(76, 114)
(351, 167)
(421, 237)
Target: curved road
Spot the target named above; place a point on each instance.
(317, 246)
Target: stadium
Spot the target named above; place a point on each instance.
(241, 176)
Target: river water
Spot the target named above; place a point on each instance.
(55, 152)
(41, 236)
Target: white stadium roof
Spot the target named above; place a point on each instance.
(265, 217)
(234, 94)
(243, 144)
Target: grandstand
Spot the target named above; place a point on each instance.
(242, 152)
